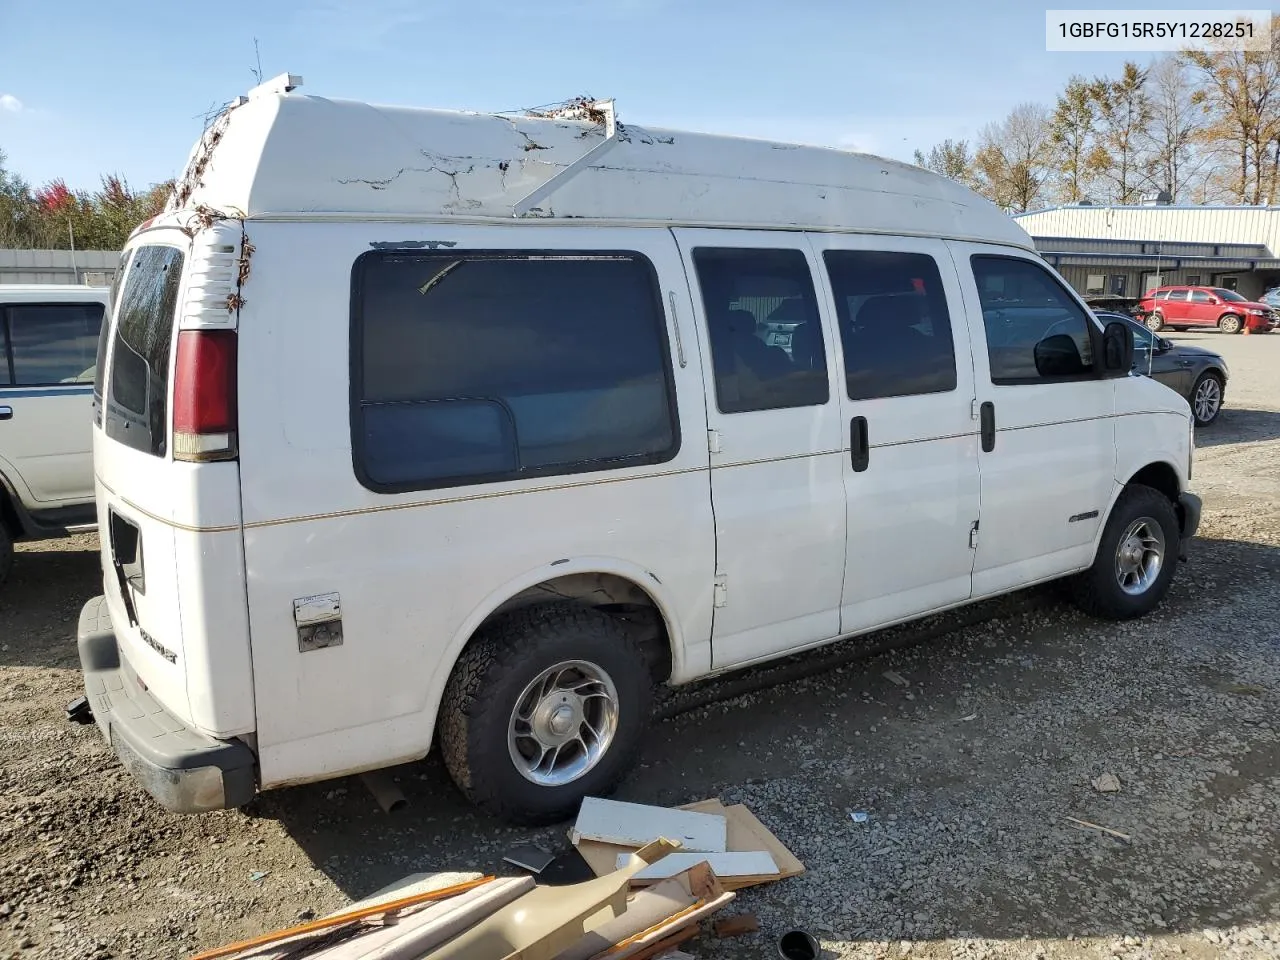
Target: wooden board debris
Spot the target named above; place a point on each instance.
(635, 824)
(743, 832)
(750, 864)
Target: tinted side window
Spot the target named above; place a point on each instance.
(1035, 331)
(53, 343)
(138, 406)
(1199, 296)
(1177, 294)
(894, 324)
(764, 327)
(482, 367)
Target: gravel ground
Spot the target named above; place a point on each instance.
(967, 774)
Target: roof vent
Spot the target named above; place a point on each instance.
(1161, 198)
(1086, 202)
(285, 83)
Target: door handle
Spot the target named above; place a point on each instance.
(860, 449)
(6, 413)
(988, 419)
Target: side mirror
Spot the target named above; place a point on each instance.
(1117, 349)
(1058, 356)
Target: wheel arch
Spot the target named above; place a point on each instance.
(1160, 475)
(615, 585)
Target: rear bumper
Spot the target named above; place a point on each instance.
(1189, 508)
(185, 770)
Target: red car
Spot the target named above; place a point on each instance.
(1179, 307)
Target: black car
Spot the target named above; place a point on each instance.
(1199, 375)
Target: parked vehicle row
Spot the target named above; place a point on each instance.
(48, 346)
(389, 459)
(1184, 308)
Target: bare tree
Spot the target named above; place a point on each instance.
(1173, 137)
(1014, 158)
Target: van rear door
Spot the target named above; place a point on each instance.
(172, 549)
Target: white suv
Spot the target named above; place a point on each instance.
(48, 346)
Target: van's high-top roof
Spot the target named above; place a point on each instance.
(278, 153)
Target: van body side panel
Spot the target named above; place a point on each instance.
(415, 572)
(912, 507)
(1050, 476)
(777, 467)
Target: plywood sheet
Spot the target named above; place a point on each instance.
(635, 824)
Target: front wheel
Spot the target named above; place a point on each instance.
(1206, 399)
(1136, 558)
(547, 705)
(1230, 323)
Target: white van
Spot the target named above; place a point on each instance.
(423, 427)
(48, 345)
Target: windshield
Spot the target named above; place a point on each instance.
(1230, 295)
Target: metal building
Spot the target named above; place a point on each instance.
(95, 268)
(1125, 251)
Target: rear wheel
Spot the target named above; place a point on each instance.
(1136, 558)
(1230, 323)
(547, 705)
(1155, 322)
(1206, 399)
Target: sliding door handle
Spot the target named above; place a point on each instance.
(6, 413)
(988, 418)
(860, 449)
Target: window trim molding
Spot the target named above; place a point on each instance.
(356, 404)
(1090, 322)
(6, 322)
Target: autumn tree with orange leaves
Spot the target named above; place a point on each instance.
(1203, 126)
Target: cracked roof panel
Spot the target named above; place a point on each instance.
(290, 154)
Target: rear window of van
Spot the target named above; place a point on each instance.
(138, 393)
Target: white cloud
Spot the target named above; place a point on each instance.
(9, 103)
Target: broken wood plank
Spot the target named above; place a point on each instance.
(602, 858)
(635, 824)
(754, 863)
(746, 832)
(736, 926)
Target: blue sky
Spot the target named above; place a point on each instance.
(115, 85)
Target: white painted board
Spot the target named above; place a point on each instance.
(635, 824)
(752, 863)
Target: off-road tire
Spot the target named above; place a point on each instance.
(1230, 323)
(499, 662)
(1096, 591)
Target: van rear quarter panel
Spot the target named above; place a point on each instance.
(417, 572)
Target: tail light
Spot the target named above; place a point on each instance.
(204, 396)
